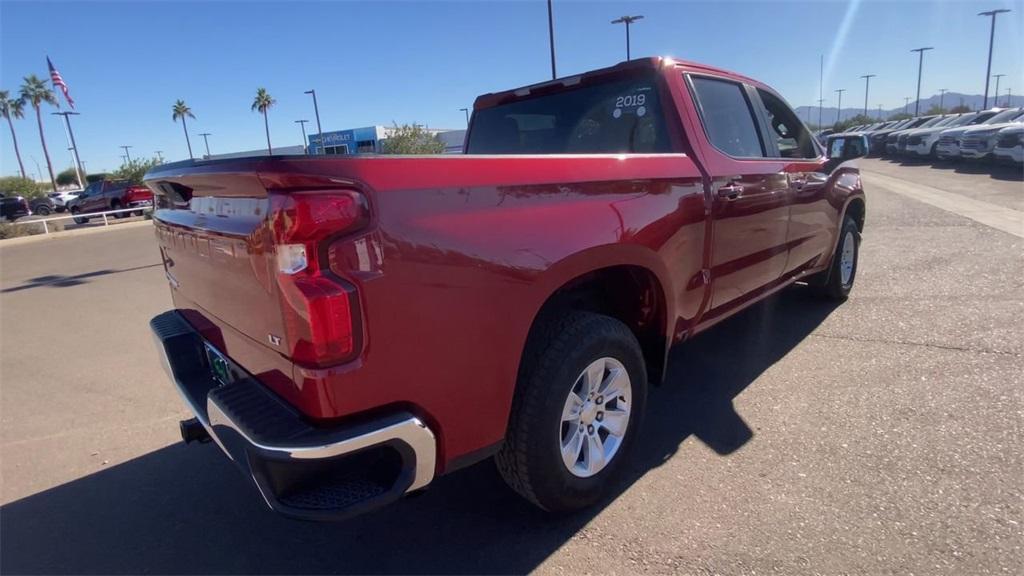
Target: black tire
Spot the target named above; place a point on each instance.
(42, 210)
(829, 283)
(115, 205)
(79, 219)
(558, 352)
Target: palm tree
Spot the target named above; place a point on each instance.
(13, 109)
(35, 92)
(262, 103)
(181, 110)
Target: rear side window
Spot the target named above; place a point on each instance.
(618, 116)
(728, 118)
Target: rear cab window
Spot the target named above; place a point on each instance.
(728, 117)
(621, 114)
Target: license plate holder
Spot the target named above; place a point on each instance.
(222, 369)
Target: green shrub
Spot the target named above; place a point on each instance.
(18, 186)
(134, 171)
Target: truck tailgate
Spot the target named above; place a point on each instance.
(218, 253)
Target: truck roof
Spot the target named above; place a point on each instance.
(650, 63)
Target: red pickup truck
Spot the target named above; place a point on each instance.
(104, 195)
(349, 328)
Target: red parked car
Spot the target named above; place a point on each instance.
(349, 328)
(104, 195)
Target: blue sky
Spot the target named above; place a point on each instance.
(378, 62)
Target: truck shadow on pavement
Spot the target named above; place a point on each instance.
(62, 281)
(186, 509)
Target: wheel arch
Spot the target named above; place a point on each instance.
(628, 283)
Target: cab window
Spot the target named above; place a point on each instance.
(792, 138)
(728, 117)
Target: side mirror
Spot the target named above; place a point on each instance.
(842, 147)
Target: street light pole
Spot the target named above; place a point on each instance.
(991, 41)
(906, 104)
(466, 110)
(74, 147)
(1007, 97)
(820, 102)
(920, 64)
(867, 85)
(127, 156)
(160, 155)
(627, 20)
(995, 100)
(879, 111)
(942, 97)
(839, 108)
(302, 124)
(319, 130)
(206, 141)
(551, 41)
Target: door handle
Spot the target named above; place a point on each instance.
(730, 191)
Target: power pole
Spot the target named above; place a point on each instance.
(942, 97)
(627, 20)
(879, 111)
(127, 156)
(839, 108)
(906, 104)
(920, 64)
(820, 102)
(991, 41)
(160, 155)
(867, 86)
(551, 41)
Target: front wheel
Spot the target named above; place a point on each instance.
(78, 219)
(577, 411)
(836, 282)
(42, 210)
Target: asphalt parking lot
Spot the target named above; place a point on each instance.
(882, 436)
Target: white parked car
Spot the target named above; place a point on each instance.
(949, 140)
(978, 142)
(924, 141)
(1010, 144)
(61, 199)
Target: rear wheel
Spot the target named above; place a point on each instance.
(42, 210)
(115, 205)
(579, 402)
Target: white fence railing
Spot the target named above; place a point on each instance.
(106, 221)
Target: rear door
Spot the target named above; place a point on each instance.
(811, 219)
(750, 210)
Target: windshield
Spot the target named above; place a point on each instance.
(930, 122)
(946, 121)
(1004, 116)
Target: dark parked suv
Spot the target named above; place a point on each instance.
(13, 207)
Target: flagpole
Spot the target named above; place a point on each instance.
(79, 170)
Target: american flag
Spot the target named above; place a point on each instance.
(58, 81)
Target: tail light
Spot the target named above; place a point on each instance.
(320, 310)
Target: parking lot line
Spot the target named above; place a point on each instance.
(992, 215)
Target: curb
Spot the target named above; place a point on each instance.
(71, 233)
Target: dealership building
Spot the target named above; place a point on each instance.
(368, 140)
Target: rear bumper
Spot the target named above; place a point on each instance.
(301, 470)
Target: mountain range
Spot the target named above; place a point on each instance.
(974, 101)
